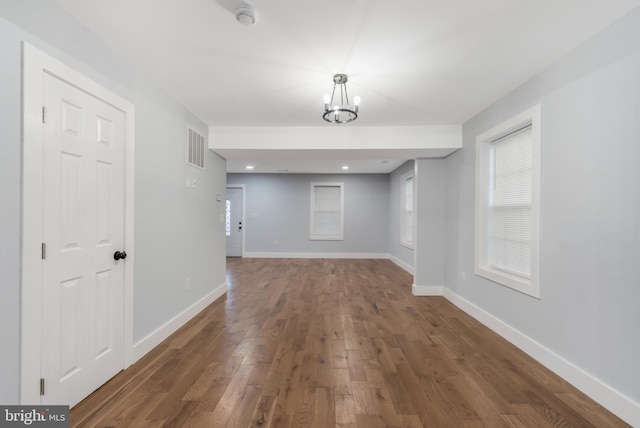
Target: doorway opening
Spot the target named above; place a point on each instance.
(77, 214)
(234, 220)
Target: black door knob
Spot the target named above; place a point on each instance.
(119, 255)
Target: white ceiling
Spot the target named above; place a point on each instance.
(413, 62)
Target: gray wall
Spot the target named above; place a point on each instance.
(396, 188)
(277, 208)
(431, 217)
(590, 210)
(175, 235)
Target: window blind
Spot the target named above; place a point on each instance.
(407, 220)
(327, 211)
(511, 203)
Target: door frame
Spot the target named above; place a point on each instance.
(34, 64)
(244, 208)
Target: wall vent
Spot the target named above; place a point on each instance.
(195, 149)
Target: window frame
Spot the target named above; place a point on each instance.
(484, 162)
(403, 210)
(313, 211)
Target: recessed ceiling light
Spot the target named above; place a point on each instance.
(345, 167)
(249, 167)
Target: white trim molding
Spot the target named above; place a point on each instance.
(404, 265)
(427, 290)
(617, 403)
(145, 345)
(484, 265)
(274, 255)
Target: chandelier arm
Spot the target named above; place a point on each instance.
(346, 95)
(332, 95)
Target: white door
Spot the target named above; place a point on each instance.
(83, 285)
(234, 219)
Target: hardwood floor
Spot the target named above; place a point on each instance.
(324, 343)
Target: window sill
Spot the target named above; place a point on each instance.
(408, 245)
(526, 286)
(326, 238)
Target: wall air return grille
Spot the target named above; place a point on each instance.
(195, 149)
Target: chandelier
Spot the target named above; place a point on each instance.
(336, 107)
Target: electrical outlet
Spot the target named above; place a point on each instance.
(221, 218)
(187, 283)
(463, 277)
(276, 242)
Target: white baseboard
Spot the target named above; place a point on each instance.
(142, 347)
(617, 403)
(427, 290)
(406, 266)
(268, 255)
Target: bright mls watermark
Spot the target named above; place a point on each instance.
(34, 416)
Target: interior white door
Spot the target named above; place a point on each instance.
(83, 285)
(234, 231)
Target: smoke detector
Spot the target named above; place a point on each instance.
(244, 14)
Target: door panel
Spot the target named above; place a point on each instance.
(83, 207)
(69, 326)
(234, 239)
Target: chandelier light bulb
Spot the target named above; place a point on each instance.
(327, 99)
(356, 100)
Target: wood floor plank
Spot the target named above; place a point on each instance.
(244, 408)
(305, 406)
(335, 343)
(385, 409)
(324, 414)
(135, 413)
(362, 398)
(345, 409)
(369, 421)
(592, 412)
(231, 397)
(356, 367)
(342, 382)
(339, 354)
(263, 412)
